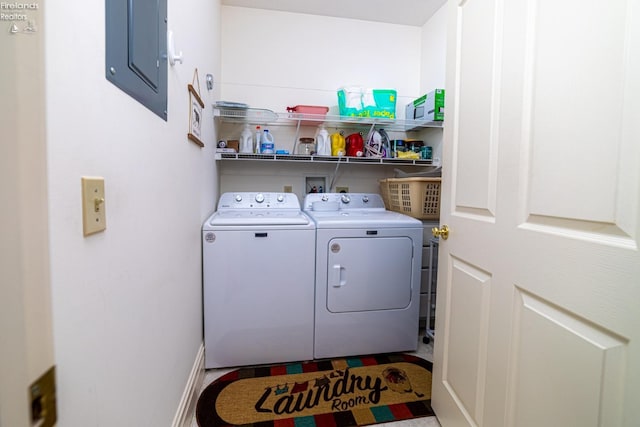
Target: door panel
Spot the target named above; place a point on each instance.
(590, 87)
(555, 256)
(475, 163)
(369, 274)
(136, 50)
(466, 328)
(144, 41)
(588, 373)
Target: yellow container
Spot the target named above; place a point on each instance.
(338, 145)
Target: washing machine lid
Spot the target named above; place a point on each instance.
(259, 218)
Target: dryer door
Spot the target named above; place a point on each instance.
(366, 274)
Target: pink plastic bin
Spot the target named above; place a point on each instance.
(314, 113)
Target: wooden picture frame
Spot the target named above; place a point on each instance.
(195, 116)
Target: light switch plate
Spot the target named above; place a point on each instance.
(94, 218)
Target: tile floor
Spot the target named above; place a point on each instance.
(424, 350)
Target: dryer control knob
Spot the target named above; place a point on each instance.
(280, 198)
(345, 198)
(365, 199)
(259, 197)
(238, 198)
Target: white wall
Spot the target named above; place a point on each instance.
(433, 51)
(277, 59)
(273, 59)
(126, 302)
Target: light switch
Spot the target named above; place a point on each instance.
(94, 218)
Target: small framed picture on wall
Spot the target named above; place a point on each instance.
(196, 106)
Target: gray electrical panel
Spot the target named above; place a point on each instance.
(136, 50)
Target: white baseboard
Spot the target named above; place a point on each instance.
(187, 406)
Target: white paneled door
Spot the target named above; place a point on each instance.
(27, 397)
(538, 315)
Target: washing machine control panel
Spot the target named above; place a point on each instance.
(259, 200)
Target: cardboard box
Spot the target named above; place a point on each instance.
(427, 108)
(234, 143)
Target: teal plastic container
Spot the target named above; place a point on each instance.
(348, 111)
(385, 108)
(384, 100)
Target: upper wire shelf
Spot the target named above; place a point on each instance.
(245, 115)
(258, 116)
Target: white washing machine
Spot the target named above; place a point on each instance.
(368, 262)
(258, 280)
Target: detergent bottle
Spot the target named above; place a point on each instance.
(323, 146)
(267, 145)
(355, 145)
(246, 140)
(338, 145)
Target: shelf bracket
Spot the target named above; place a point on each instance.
(295, 140)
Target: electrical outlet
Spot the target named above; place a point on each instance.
(94, 218)
(342, 189)
(288, 189)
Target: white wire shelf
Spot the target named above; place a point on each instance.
(257, 116)
(326, 159)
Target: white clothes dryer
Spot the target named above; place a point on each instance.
(368, 262)
(258, 280)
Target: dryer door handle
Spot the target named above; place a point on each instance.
(338, 278)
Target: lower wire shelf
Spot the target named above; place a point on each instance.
(324, 159)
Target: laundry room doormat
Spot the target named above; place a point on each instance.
(327, 393)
